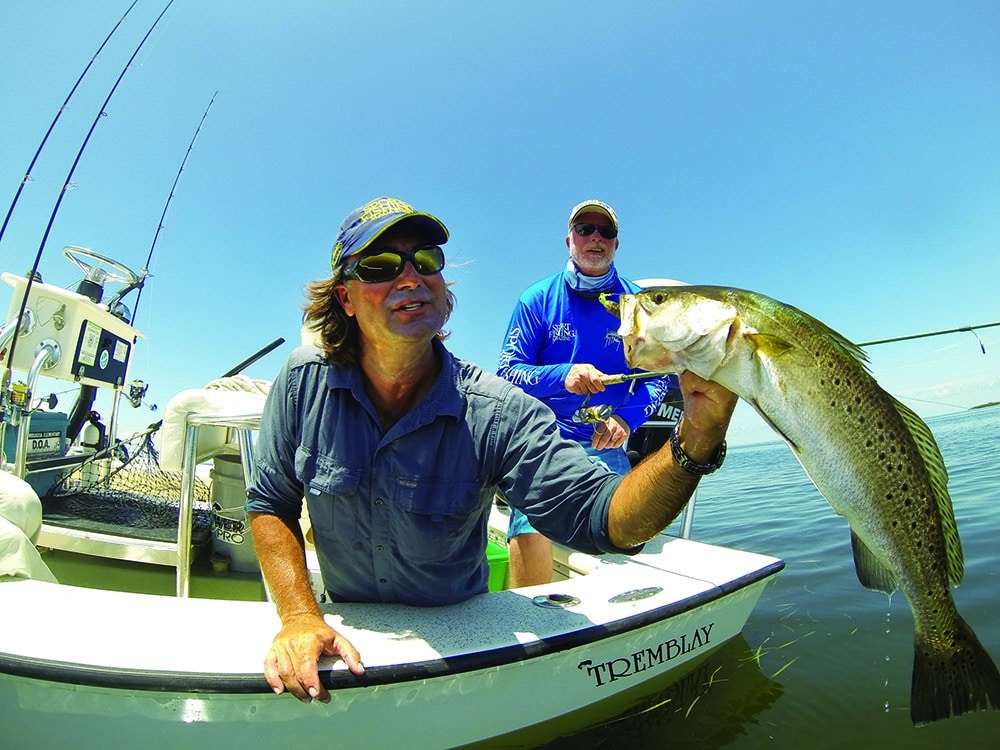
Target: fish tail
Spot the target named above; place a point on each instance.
(952, 681)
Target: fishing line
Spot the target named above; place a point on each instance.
(931, 402)
(981, 344)
(145, 269)
(27, 175)
(963, 329)
(66, 185)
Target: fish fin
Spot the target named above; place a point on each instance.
(769, 345)
(839, 339)
(872, 573)
(957, 678)
(938, 473)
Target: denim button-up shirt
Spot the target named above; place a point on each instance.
(401, 515)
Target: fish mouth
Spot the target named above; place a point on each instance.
(640, 347)
(630, 333)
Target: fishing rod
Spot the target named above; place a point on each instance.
(237, 369)
(253, 358)
(145, 269)
(963, 329)
(625, 377)
(27, 175)
(69, 177)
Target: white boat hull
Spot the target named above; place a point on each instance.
(87, 666)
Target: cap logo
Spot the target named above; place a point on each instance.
(381, 207)
(371, 211)
(364, 224)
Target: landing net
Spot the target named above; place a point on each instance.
(124, 491)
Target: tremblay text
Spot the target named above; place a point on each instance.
(606, 672)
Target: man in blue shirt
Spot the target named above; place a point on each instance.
(560, 346)
(397, 447)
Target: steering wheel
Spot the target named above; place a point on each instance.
(79, 256)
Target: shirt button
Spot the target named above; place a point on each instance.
(379, 501)
(379, 547)
(382, 580)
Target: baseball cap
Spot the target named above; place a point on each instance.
(363, 225)
(595, 206)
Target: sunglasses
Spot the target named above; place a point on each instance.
(585, 229)
(385, 265)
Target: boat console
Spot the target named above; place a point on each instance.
(68, 336)
(71, 460)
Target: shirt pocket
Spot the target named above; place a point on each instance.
(437, 517)
(332, 496)
(438, 498)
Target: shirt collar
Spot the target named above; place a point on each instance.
(444, 397)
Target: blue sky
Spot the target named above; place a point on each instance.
(842, 157)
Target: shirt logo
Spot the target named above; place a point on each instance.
(562, 332)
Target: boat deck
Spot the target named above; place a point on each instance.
(144, 638)
(207, 582)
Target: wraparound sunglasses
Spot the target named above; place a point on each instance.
(385, 265)
(585, 229)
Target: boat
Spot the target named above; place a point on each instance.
(133, 607)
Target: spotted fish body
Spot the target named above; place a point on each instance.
(872, 458)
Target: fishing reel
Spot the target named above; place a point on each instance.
(136, 393)
(592, 414)
(601, 413)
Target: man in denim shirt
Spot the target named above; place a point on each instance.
(398, 448)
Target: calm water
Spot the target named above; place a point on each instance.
(822, 662)
(833, 659)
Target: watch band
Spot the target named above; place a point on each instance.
(687, 463)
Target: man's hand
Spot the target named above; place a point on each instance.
(584, 379)
(708, 407)
(291, 664)
(611, 433)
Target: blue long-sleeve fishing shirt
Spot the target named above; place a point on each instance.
(552, 328)
(401, 515)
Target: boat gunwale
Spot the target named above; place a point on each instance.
(165, 681)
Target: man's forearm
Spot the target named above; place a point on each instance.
(654, 493)
(648, 499)
(281, 552)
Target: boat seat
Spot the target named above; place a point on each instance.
(228, 418)
(236, 395)
(20, 521)
(199, 424)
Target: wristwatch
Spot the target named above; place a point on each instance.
(687, 463)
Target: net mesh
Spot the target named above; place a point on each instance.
(124, 490)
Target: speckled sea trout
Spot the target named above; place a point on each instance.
(872, 458)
